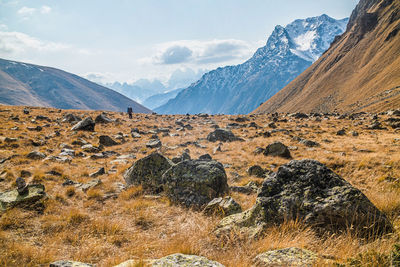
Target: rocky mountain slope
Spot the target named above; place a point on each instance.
(27, 84)
(360, 71)
(240, 89)
(112, 191)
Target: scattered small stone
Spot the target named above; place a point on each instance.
(91, 184)
(71, 118)
(222, 135)
(257, 171)
(102, 118)
(105, 140)
(154, 143)
(205, 157)
(101, 171)
(68, 263)
(341, 132)
(25, 174)
(36, 155)
(86, 125)
(222, 207)
(309, 143)
(277, 149)
(37, 128)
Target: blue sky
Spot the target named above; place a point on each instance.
(124, 40)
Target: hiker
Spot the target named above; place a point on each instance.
(130, 112)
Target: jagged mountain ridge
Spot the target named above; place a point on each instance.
(32, 85)
(240, 89)
(360, 72)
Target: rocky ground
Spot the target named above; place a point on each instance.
(198, 190)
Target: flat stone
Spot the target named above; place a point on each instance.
(12, 198)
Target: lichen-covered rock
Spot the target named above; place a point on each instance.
(148, 172)
(277, 149)
(183, 260)
(286, 257)
(309, 191)
(28, 198)
(67, 263)
(222, 135)
(222, 207)
(194, 183)
(86, 125)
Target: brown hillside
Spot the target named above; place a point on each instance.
(360, 71)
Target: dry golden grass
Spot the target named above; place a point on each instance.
(88, 227)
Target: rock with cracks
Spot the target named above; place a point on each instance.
(148, 172)
(308, 191)
(194, 183)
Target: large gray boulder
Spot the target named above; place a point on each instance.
(86, 125)
(148, 172)
(194, 183)
(25, 199)
(308, 191)
(178, 259)
(222, 135)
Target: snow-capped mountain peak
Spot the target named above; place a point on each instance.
(240, 89)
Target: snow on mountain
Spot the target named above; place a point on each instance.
(240, 89)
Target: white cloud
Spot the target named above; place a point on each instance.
(17, 42)
(3, 27)
(45, 9)
(201, 52)
(26, 11)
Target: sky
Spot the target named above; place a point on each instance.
(128, 40)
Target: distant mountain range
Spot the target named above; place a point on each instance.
(240, 89)
(143, 89)
(360, 71)
(27, 84)
(158, 100)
